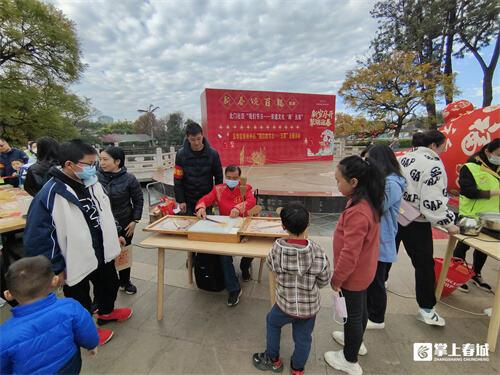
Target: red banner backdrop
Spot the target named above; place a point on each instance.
(262, 127)
(467, 131)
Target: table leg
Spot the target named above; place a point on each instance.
(272, 287)
(452, 242)
(190, 267)
(160, 283)
(495, 319)
(260, 269)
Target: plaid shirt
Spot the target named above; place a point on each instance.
(301, 271)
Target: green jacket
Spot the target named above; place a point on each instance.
(486, 180)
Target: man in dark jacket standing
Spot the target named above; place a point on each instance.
(197, 165)
(7, 155)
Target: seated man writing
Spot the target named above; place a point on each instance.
(231, 202)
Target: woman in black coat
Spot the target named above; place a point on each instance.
(47, 154)
(126, 198)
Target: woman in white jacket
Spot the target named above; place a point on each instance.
(426, 190)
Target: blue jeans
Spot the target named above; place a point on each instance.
(302, 336)
(230, 278)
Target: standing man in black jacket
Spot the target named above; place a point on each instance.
(197, 165)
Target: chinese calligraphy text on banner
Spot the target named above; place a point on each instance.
(466, 134)
(262, 127)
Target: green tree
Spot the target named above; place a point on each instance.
(39, 57)
(175, 129)
(438, 30)
(346, 125)
(40, 39)
(117, 127)
(417, 26)
(388, 90)
(477, 25)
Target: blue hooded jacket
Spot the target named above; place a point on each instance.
(44, 335)
(394, 188)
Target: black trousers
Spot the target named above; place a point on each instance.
(354, 328)
(106, 284)
(478, 258)
(245, 263)
(13, 250)
(417, 239)
(124, 276)
(377, 295)
(73, 366)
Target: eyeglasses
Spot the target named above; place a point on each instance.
(94, 164)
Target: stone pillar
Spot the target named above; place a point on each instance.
(159, 157)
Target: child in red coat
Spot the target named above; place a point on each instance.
(355, 254)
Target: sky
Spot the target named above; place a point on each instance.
(166, 52)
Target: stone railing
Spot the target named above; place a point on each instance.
(341, 150)
(144, 165)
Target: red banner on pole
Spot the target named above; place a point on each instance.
(262, 127)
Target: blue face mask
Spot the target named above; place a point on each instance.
(232, 183)
(494, 159)
(87, 173)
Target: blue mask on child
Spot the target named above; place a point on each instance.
(232, 183)
(87, 173)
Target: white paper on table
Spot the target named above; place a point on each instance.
(229, 225)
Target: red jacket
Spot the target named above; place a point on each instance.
(228, 199)
(355, 247)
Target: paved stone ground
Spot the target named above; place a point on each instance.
(201, 335)
(309, 177)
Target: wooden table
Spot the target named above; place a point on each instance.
(9, 224)
(252, 247)
(491, 247)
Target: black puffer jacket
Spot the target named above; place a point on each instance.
(125, 194)
(38, 175)
(195, 172)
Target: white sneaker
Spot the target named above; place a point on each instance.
(431, 318)
(373, 325)
(339, 337)
(338, 362)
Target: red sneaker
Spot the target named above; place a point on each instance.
(117, 315)
(104, 335)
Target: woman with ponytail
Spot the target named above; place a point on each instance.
(356, 250)
(395, 184)
(426, 192)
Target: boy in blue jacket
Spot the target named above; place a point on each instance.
(45, 334)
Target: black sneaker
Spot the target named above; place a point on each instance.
(464, 288)
(234, 298)
(263, 362)
(245, 274)
(129, 288)
(478, 281)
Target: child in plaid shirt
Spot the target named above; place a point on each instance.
(301, 268)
